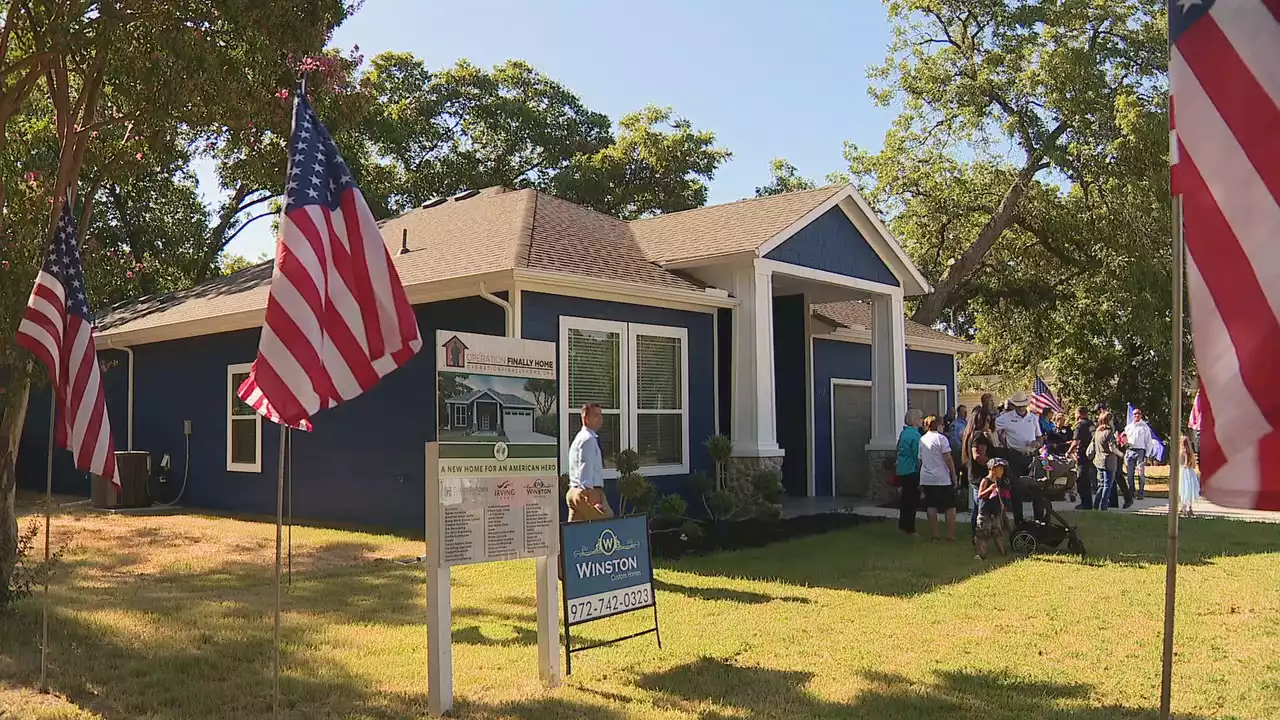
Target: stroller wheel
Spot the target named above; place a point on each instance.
(1023, 542)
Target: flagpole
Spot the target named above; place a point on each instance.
(275, 688)
(48, 517)
(289, 502)
(1175, 462)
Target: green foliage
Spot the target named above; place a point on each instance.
(720, 503)
(692, 532)
(1026, 175)
(627, 461)
(786, 178)
(701, 483)
(229, 263)
(767, 484)
(638, 493)
(671, 506)
(720, 447)
(28, 572)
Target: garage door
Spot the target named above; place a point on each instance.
(926, 401)
(518, 420)
(851, 406)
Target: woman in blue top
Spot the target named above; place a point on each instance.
(908, 471)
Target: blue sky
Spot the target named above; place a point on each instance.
(770, 79)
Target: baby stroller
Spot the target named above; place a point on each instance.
(1045, 533)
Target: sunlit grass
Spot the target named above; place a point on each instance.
(170, 617)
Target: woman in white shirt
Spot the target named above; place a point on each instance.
(938, 477)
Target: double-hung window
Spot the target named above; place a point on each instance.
(638, 374)
(244, 426)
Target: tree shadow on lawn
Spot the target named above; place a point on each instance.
(757, 692)
(744, 597)
(876, 558)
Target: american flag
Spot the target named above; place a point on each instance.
(337, 317)
(1042, 397)
(1224, 74)
(58, 329)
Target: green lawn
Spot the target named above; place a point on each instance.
(169, 617)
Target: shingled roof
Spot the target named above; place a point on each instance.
(502, 230)
(856, 315)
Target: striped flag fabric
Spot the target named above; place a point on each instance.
(1224, 76)
(338, 319)
(57, 328)
(1042, 397)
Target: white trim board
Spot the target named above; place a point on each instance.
(863, 337)
(826, 277)
(255, 467)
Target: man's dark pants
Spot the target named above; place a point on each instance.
(1086, 475)
(910, 501)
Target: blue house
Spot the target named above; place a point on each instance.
(777, 321)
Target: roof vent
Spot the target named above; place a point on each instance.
(434, 202)
(465, 194)
(404, 241)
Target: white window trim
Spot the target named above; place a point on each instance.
(568, 323)
(628, 413)
(681, 334)
(255, 467)
(943, 404)
(456, 422)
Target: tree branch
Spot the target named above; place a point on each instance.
(246, 224)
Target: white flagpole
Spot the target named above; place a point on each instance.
(1175, 462)
(275, 688)
(48, 517)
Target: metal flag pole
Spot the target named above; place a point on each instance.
(1175, 462)
(289, 502)
(275, 686)
(48, 517)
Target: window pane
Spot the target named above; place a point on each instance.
(594, 359)
(658, 385)
(238, 407)
(244, 441)
(660, 439)
(610, 436)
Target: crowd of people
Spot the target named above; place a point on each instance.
(991, 453)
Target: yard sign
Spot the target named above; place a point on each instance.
(492, 482)
(608, 570)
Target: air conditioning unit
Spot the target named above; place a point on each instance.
(133, 468)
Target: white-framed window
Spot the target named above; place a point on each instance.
(459, 415)
(244, 426)
(638, 374)
(928, 399)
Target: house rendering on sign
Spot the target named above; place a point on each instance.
(490, 412)
(777, 321)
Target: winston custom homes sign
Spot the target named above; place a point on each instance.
(608, 570)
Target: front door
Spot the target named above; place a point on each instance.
(851, 431)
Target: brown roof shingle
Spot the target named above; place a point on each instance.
(856, 314)
(733, 227)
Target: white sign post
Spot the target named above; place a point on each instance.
(492, 485)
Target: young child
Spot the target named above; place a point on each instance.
(1189, 483)
(991, 508)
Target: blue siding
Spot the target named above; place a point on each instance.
(724, 325)
(852, 361)
(541, 314)
(364, 463)
(833, 244)
(790, 399)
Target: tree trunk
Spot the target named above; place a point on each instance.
(945, 292)
(15, 416)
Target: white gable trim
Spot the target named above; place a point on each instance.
(871, 229)
(933, 345)
(829, 278)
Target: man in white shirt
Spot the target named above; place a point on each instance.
(1019, 431)
(1138, 435)
(586, 498)
(938, 476)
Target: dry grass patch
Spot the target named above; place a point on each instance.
(169, 617)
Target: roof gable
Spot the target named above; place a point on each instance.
(832, 243)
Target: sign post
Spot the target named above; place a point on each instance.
(608, 570)
(492, 483)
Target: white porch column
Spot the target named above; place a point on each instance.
(753, 428)
(888, 370)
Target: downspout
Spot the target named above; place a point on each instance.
(506, 308)
(129, 421)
